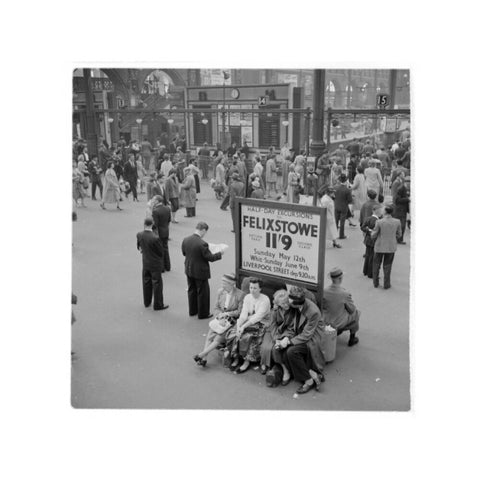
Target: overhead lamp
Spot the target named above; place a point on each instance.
(139, 120)
(204, 121)
(170, 121)
(285, 122)
(110, 120)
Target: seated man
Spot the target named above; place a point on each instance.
(299, 351)
(340, 312)
(244, 340)
(226, 312)
(275, 329)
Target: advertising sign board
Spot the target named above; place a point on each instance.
(281, 241)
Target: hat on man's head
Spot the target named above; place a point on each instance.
(297, 295)
(335, 272)
(330, 189)
(230, 277)
(255, 184)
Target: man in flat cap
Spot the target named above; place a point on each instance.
(299, 350)
(339, 309)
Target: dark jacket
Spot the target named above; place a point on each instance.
(367, 209)
(197, 257)
(308, 330)
(343, 197)
(130, 172)
(369, 223)
(161, 217)
(148, 243)
(236, 188)
(402, 202)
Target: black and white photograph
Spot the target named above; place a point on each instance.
(241, 238)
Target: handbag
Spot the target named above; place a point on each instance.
(274, 376)
(218, 327)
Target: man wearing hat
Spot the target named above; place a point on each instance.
(343, 198)
(387, 232)
(339, 309)
(299, 350)
(235, 189)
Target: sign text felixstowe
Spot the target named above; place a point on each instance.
(282, 241)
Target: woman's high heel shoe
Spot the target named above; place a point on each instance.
(336, 245)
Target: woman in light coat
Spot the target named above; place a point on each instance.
(359, 190)
(327, 202)
(189, 193)
(111, 188)
(373, 178)
(293, 185)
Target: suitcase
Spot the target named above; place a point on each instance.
(329, 343)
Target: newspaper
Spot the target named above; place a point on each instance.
(217, 248)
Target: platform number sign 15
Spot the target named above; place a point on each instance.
(383, 100)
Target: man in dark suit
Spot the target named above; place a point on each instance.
(149, 244)
(343, 198)
(162, 217)
(367, 227)
(197, 269)
(386, 233)
(130, 175)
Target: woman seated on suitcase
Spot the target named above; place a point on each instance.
(226, 311)
(275, 329)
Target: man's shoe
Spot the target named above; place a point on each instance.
(305, 388)
(207, 317)
(161, 308)
(375, 285)
(352, 341)
(401, 242)
(342, 237)
(386, 287)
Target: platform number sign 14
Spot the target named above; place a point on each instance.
(383, 100)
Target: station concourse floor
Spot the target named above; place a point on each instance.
(127, 356)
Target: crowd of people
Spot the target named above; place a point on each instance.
(281, 327)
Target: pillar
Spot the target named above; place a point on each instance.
(92, 139)
(318, 144)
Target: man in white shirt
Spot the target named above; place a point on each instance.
(246, 338)
(166, 166)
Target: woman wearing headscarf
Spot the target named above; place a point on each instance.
(226, 311)
(111, 188)
(190, 193)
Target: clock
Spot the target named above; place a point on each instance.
(235, 94)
